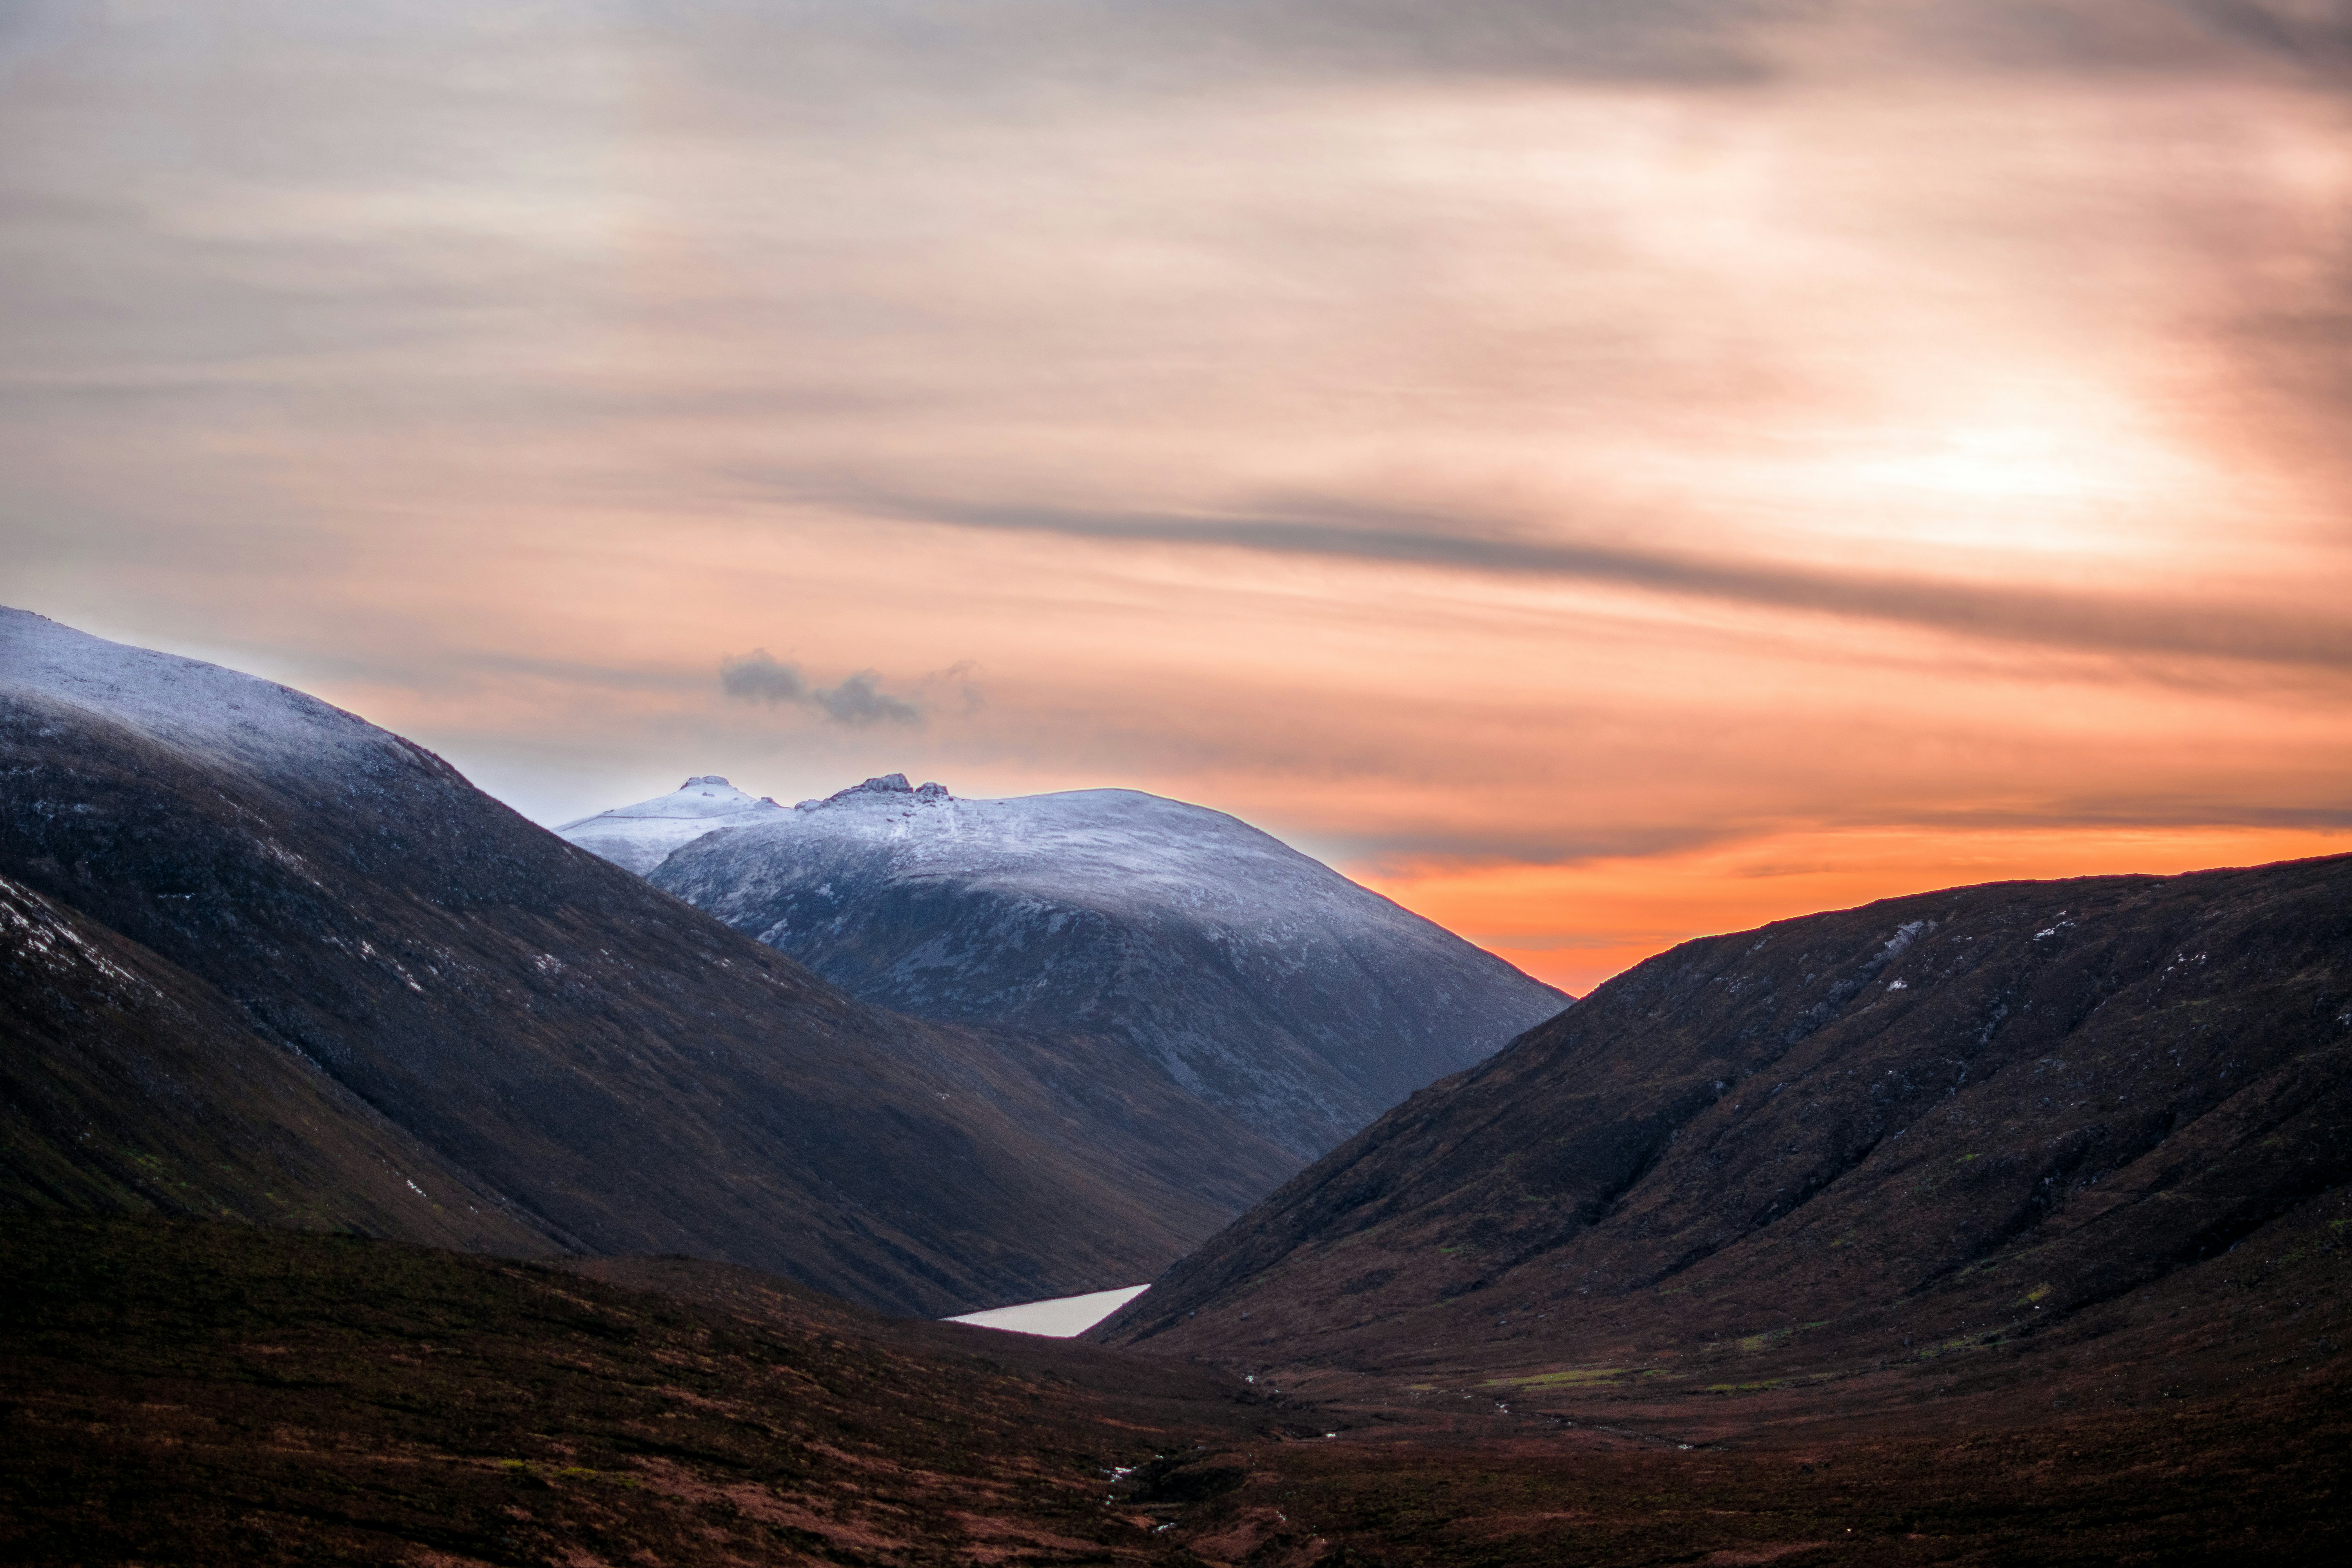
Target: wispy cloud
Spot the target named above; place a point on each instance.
(857, 702)
(2173, 629)
(760, 676)
(1526, 434)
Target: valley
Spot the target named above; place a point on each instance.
(384, 1179)
(1176, 784)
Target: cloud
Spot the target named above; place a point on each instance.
(2050, 617)
(859, 701)
(974, 51)
(760, 676)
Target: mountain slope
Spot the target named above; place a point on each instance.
(132, 1086)
(1935, 1121)
(624, 1073)
(1253, 976)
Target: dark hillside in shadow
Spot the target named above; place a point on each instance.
(191, 1391)
(1981, 1118)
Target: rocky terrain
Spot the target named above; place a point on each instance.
(1919, 1134)
(263, 958)
(1247, 974)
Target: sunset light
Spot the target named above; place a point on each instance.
(1181, 783)
(1550, 479)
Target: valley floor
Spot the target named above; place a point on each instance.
(187, 1392)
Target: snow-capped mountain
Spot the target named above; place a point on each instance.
(261, 959)
(641, 837)
(215, 714)
(1255, 977)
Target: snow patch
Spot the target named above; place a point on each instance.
(218, 715)
(29, 917)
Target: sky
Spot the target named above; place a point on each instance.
(1598, 471)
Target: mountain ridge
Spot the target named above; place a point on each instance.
(1254, 977)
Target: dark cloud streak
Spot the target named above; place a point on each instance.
(2056, 619)
(955, 48)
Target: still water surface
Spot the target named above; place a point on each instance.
(1058, 1319)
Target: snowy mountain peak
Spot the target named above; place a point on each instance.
(887, 784)
(1254, 976)
(641, 837)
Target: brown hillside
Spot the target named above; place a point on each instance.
(1858, 1140)
(193, 1393)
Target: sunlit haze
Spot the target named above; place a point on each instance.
(1598, 472)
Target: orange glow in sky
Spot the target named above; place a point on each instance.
(1598, 474)
(1618, 913)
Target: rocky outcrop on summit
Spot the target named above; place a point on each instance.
(263, 959)
(1935, 1121)
(1255, 978)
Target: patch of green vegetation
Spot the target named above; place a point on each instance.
(547, 1472)
(1570, 1377)
(1951, 1346)
(2040, 1292)
(1754, 1343)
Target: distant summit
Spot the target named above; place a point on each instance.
(1254, 977)
(639, 837)
(887, 784)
